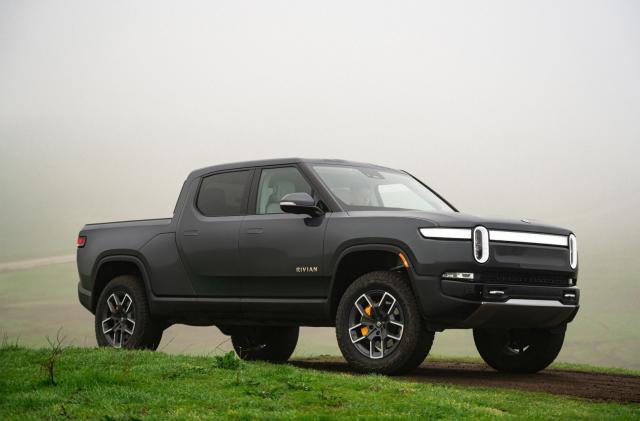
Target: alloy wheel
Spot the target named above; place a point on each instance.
(119, 323)
(376, 324)
(517, 342)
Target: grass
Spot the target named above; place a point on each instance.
(107, 384)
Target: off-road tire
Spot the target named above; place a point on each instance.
(543, 346)
(416, 340)
(147, 332)
(265, 343)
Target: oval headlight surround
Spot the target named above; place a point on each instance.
(573, 251)
(480, 244)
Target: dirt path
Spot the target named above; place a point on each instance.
(597, 386)
(32, 263)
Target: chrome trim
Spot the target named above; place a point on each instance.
(529, 237)
(531, 303)
(448, 233)
(573, 251)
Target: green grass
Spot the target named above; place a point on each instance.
(124, 385)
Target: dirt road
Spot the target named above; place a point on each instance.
(597, 386)
(33, 263)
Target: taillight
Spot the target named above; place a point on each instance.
(81, 241)
(481, 244)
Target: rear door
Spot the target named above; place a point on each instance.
(208, 232)
(281, 253)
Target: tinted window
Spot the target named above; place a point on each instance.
(223, 194)
(276, 183)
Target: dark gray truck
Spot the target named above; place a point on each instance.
(260, 248)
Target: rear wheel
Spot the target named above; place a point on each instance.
(379, 327)
(122, 318)
(519, 350)
(266, 343)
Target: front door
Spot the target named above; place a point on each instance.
(281, 253)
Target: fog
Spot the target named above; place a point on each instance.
(529, 109)
(522, 109)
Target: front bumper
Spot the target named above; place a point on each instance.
(520, 313)
(462, 304)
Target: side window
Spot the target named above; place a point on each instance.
(276, 183)
(223, 194)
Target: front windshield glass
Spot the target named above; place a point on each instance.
(362, 188)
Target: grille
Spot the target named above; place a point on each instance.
(525, 278)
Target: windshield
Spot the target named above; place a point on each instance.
(362, 188)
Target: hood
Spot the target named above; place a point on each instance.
(461, 220)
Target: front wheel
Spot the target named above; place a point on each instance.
(267, 343)
(122, 318)
(519, 350)
(379, 326)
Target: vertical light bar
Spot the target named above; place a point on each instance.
(480, 244)
(573, 251)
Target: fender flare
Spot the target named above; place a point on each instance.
(393, 248)
(130, 258)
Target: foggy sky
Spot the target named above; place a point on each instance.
(527, 109)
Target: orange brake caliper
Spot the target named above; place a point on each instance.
(364, 329)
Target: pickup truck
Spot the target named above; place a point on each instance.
(260, 248)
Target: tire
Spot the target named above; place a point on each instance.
(130, 325)
(381, 348)
(519, 350)
(265, 343)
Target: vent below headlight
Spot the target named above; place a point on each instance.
(481, 244)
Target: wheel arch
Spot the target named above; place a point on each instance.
(355, 261)
(108, 267)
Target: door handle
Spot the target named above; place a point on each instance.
(191, 233)
(255, 230)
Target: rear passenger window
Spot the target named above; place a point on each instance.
(223, 194)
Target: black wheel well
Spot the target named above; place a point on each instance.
(356, 264)
(110, 270)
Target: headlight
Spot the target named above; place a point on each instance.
(481, 244)
(447, 233)
(573, 251)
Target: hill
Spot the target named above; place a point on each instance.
(109, 384)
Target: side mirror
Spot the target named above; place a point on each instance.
(300, 203)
